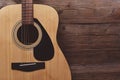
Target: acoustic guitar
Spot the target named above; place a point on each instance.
(28, 45)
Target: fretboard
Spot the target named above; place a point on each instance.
(27, 12)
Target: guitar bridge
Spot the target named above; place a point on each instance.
(28, 67)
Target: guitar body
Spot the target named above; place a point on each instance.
(55, 68)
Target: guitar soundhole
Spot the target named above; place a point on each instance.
(27, 34)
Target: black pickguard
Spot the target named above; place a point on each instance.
(45, 50)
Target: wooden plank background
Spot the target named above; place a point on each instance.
(89, 35)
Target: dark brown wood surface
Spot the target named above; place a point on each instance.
(89, 35)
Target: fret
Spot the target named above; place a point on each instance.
(27, 11)
(28, 15)
(25, 17)
(27, 6)
(30, 12)
(27, 20)
(27, 3)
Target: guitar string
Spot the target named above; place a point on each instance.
(27, 19)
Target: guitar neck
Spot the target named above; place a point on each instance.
(27, 12)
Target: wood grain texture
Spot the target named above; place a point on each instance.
(89, 35)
